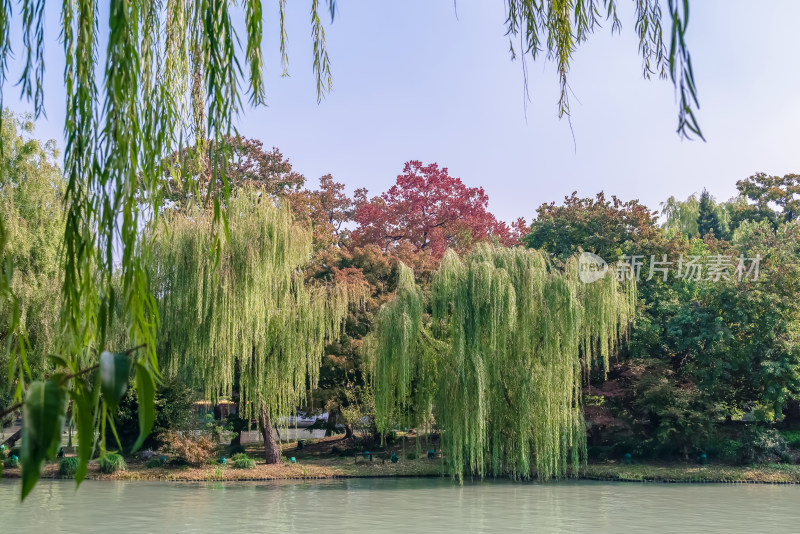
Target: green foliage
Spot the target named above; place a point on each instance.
(763, 445)
(43, 415)
(114, 371)
(246, 311)
(707, 220)
(67, 467)
(173, 411)
(111, 463)
(169, 73)
(145, 395)
(152, 463)
(683, 216)
(31, 226)
(12, 461)
(681, 417)
(773, 199)
(501, 363)
(608, 228)
(792, 438)
(242, 461)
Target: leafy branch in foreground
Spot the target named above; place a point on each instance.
(171, 73)
(556, 28)
(44, 410)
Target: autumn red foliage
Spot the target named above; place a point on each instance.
(428, 210)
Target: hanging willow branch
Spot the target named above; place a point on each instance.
(511, 336)
(253, 313)
(170, 73)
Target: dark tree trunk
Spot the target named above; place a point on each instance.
(272, 454)
(348, 431)
(330, 426)
(13, 438)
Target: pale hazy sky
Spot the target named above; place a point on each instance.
(412, 81)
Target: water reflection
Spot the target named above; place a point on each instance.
(381, 505)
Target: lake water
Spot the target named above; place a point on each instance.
(407, 505)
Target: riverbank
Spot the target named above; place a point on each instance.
(423, 467)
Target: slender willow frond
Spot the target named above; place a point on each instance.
(557, 27)
(170, 74)
(503, 377)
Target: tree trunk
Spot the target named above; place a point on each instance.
(348, 431)
(330, 425)
(11, 440)
(272, 454)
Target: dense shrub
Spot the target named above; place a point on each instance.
(234, 450)
(195, 450)
(242, 461)
(173, 412)
(792, 437)
(761, 445)
(111, 463)
(726, 450)
(11, 461)
(153, 463)
(67, 467)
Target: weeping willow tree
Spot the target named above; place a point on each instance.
(498, 364)
(246, 318)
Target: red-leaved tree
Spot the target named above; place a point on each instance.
(429, 210)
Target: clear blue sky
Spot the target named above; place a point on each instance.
(412, 81)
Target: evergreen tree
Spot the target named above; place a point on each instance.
(707, 220)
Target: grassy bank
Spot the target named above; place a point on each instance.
(303, 469)
(326, 459)
(348, 468)
(679, 472)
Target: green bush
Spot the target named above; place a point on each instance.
(233, 450)
(111, 463)
(412, 455)
(761, 445)
(792, 438)
(173, 413)
(11, 461)
(153, 463)
(67, 467)
(242, 461)
(728, 450)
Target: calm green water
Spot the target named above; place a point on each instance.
(406, 505)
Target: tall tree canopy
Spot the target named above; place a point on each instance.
(707, 220)
(499, 365)
(429, 210)
(607, 228)
(774, 198)
(190, 177)
(251, 319)
(31, 186)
